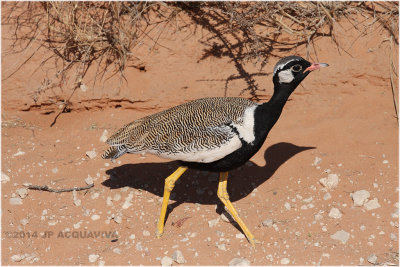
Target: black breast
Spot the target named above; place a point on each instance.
(264, 121)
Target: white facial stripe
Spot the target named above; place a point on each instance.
(285, 76)
(280, 66)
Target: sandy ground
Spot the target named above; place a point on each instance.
(340, 121)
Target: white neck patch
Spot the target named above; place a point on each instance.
(285, 76)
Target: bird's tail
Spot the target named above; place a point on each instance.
(114, 152)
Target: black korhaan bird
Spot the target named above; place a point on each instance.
(214, 134)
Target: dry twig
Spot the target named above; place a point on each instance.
(46, 188)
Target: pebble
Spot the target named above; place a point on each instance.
(89, 180)
(327, 196)
(22, 192)
(95, 217)
(104, 137)
(24, 221)
(166, 261)
(17, 257)
(146, 233)
(177, 256)
(335, 213)
(360, 197)
(117, 250)
(4, 178)
(239, 262)
(19, 153)
(331, 181)
(240, 236)
(285, 261)
(372, 204)
(77, 202)
(128, 200)
(362, 227)
(139, 246)
(213, 223)
(317, 160)
(15, 201)
(118, 219)
(91, 154)
(132, 236)
(373, 259)
(93, 257)
(268, 223)
(287, 205)
(221, 247)
(341, 236)
(54, 170)
(226, 217)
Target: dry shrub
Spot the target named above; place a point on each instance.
(80, 34)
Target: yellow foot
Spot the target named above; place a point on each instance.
(158, 234)
(253, 241)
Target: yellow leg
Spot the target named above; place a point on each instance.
(169, 185)
(224, 197)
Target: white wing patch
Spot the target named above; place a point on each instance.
(246, 130)
(285, 76)
(204, 155)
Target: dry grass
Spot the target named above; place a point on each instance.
(100, 35)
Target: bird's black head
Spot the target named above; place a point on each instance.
(290, 71)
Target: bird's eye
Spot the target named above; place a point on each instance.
(296, 68)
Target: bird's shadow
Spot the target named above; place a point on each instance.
(201, 187)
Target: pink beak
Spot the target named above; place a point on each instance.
(316, 66)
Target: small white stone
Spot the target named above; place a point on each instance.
(360, 197)
(83, 87)
(89, 180)
(268, 222)
(166, 261)
(221, 247)
(95, 195)
(335, 213)
(177, 256)
(226, 217)
(318, 217)
(117, 250)
(285, 261)
(362, 227)
(95, 217)
(372, 204)
(327, 196)
(22, 192)
(317, 160)
(239, 262)
(331, 181)
(287, 205)
(4, 177)
(385, 161)
(213, 223)
(118, 219)
(93, 257)
(132, 236)
(19, 153)
(17, 257)
(91, 154)
(341, 236)
(373, 259)
(15, 201)
(54, 170)
(24, 221)
(146, 233)
(240, 236)
(104, 137)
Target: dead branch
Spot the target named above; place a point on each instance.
(46, 188)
